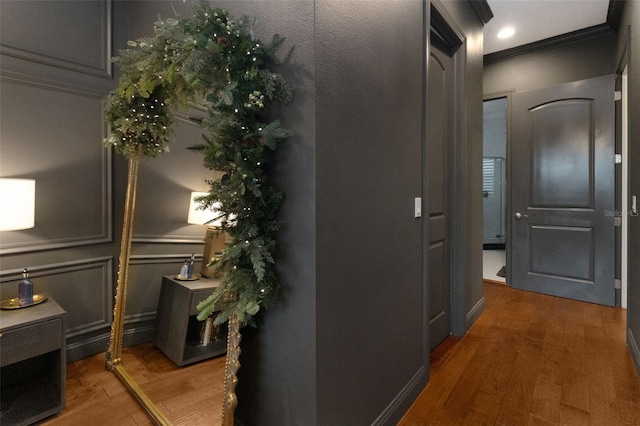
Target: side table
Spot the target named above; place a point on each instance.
(33, 363)
(178, 332)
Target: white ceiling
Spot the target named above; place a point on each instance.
(535, 20)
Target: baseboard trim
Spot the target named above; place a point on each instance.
(87, 347)
(632, 344)
(401, 403)
(139, 335)
(488, 281)
(475, 313)
(94, 345)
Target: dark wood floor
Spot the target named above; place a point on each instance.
(530, 359)
(533, 359)
(188, 396)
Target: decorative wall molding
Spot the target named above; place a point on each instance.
(148, 259)
(16, 245)
(161, 239)
(145, 317)
(53, 85)
(104, 69)
(185, 117)
(103, 289)
(145, 282)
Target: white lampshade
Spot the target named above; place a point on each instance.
(18, 201)
(197, 216)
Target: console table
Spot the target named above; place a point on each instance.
(178, 331)
(33, 363)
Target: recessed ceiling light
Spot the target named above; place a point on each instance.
(506, 32)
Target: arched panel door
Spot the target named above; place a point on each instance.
(439, 153)
(563, 191)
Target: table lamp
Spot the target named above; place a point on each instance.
(18, 200)
(215, 239)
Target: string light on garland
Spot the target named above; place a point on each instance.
(215, 61)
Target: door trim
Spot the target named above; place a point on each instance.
(622, 68)
(450, 31)
(508, 95)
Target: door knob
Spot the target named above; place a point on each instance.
(519, 216)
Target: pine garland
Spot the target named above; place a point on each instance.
(214, 61)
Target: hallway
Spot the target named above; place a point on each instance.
(533, 359)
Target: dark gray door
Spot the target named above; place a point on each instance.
(440, 88)
(563, 190)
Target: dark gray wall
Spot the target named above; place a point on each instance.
(346, 344)
(369, 261)
(627, 52)
(582, 59)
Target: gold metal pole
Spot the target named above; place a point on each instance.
(114, 352)
(113, 360)
(231, 369)
(153, 412)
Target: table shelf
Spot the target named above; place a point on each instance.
(33, 363)
(177, 332)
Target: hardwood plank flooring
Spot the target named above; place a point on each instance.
(529, 359)
(189, 396)
(532, 359)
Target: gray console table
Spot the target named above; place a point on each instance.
(178, 331)
(33, 363)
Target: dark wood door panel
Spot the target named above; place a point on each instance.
(562, 141)
(562, 240)
(562, 252)
(440, 93)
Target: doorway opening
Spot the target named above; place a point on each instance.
(494, 188)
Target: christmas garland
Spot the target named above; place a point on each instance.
(214, 61)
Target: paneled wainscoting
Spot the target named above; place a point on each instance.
(533, 359)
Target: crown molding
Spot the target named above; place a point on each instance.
(579, 35)
(482, 9)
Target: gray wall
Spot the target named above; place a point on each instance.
(53, 83)
(579, 60)
(630, 38)
(366, 317)
(369, 263)
(55, 77)
(346, 344)
(495, 128)
(467, 298)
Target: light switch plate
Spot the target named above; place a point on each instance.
(418, 207)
